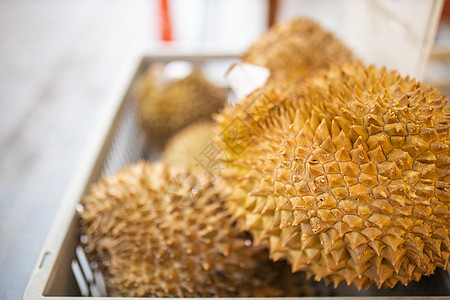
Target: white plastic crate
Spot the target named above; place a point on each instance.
(119, 141)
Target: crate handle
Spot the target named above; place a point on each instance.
(44, 259)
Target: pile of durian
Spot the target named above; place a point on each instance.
(334, 169)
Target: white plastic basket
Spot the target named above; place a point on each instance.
(62, 271)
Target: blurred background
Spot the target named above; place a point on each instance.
(59, 60)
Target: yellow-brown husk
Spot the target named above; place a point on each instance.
(346, 176)
(157, 232)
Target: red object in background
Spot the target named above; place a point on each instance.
(446, 11)
(273, 10)
(166, 26)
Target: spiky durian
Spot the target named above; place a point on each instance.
(157, 232)
(166, 107)
(292, 50)
(346, 176)
(186, 147)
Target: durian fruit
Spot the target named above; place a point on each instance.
(157, 232)
(187, 146)
(346, 176)
(293, 50)
(166, 106)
